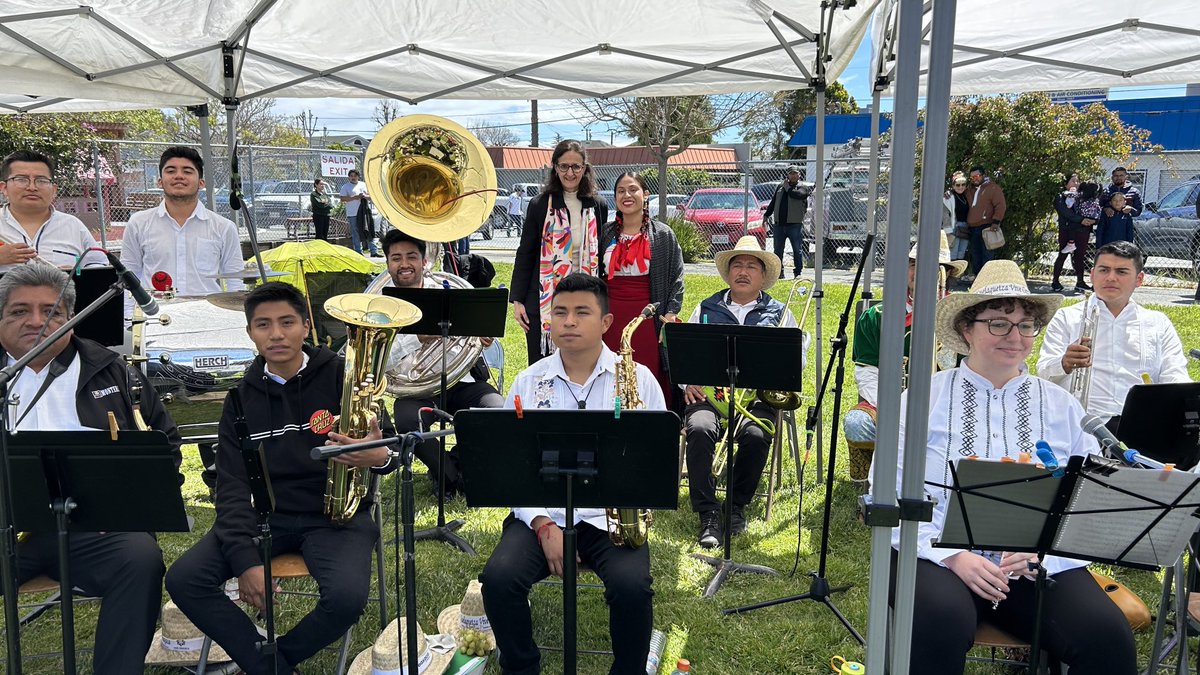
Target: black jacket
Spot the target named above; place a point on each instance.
(279, 416)
(789, 204)
(106, 385)
(529, 252)
(1069, 218)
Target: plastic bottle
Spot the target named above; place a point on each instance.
(682, 667)
(657, 641)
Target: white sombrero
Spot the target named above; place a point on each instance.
(389, 654)
(998, 279)
(748, 245)
(469, 614)
(954, 268)
(179, 642)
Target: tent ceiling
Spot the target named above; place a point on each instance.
(1034, 45)
(169, 53)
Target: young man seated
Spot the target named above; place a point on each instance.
(290, 394)
(580, 374)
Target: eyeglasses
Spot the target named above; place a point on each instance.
(1002, 327)
(24, 181)
(570, 168)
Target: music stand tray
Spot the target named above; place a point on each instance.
(739, 357)
(87, 481)
(568, 459)
(1162, 421)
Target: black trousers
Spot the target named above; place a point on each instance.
(1081, 627)
(125, 569)
(753, 447)
(459, 397)
(338, 558)
(518, 563)
(321, 223)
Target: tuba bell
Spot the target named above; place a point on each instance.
(372, 322)
(430, 178)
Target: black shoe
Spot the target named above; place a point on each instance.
(737, 523)
(1081, 287)
(1056, 287)
(710, 529)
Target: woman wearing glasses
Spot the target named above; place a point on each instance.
(957, 206)
(560, 236)
(990, 407)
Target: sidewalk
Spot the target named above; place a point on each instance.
(1145, 295)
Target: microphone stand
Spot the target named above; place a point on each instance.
(8, 535)
(408, 444)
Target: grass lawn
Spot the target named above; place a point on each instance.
(793, 638)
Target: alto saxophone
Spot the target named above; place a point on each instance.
(629, 527)
(372, 322)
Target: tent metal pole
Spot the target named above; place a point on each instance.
(231, 104)
(819, 262)
(895, 295)
(201, 113)
(872, 194)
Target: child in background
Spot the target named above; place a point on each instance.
(1118, 226)
(1089, 200)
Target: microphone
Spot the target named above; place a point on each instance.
(1194, 353)
(1046, 455)
(235, 183)
(1109, 444)
(140, 296)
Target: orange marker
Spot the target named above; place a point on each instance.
(517, 404)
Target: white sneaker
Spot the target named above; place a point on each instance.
(1069, 248)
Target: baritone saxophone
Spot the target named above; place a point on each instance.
(629, 527)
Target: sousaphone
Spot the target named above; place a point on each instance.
(430, 178)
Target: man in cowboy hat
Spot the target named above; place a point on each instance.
(859, 421)
(749, 271)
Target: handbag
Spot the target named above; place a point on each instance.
(993, 238)
(962, 230)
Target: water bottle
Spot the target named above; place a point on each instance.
(682, 667)
(657, 642)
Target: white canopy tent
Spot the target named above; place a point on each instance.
(977, 47)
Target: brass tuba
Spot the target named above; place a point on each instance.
(629, 527)
(372, 322)
(419, 374)
(430, 177)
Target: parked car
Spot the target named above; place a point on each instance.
(1170, 227)
(763, 192)
(673, 201)
(499, 219)
(609, 198)
(721, 216)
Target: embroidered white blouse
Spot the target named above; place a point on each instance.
(1136, 341)
(968, 416)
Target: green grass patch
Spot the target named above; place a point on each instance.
(794, 638)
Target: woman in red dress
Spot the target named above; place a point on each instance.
(642, 263)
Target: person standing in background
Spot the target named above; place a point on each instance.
(787, 210)
(354, 195)
(321, 206)
(986, 211)
(958, 206)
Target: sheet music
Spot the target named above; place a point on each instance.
(1108, 534)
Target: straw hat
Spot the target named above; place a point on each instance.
(748, 245)
(997, 279)
(954, 268)
(384, 657)
(469, 615)
(179, 642)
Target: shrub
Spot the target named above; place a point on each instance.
(691, 241)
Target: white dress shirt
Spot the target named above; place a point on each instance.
(59, 240)
(1136, 341)
(57, 409)
(193, 253)
(968, 416)
(545, 385)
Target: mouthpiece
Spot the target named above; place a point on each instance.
(649, 310)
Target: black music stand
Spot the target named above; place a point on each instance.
(92, 483)
(738, 357)
(568, 459)
(457, 312)
(1162, 421)
(1098, 510)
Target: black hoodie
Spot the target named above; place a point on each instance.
(281, 417)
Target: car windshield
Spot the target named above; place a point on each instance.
(764, 191)
(1175, 198)
(720, 200)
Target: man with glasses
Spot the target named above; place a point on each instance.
(30, 227)
(749, 271)
(79, 385)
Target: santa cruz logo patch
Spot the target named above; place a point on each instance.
(321, 422)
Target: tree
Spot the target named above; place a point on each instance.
(769, 133)
(386, 110)
(255, 119)
(64, 137)
(307, 123)
(1026, 143)
(494, 135)
(667, 125)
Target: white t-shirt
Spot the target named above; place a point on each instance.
(353, 190)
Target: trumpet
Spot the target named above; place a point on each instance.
(1081, 378)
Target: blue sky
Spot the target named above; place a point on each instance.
(353, 116)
